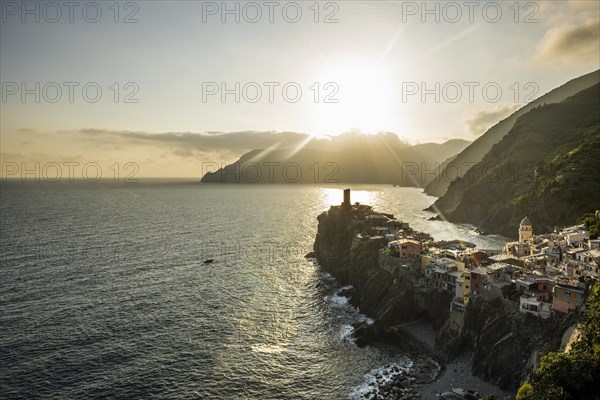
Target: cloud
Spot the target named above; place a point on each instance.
(189, 142)
(572, 36)
(181, 154)
(480, 121)
(567, 12)
(569, 44)
(29, 130)
(228, 144)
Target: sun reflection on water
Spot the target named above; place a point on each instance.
(335, 196)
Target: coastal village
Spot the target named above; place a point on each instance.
(537, 274)
(474, 318)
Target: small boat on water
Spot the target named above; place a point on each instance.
(209, 261)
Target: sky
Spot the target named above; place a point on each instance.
(156, 88)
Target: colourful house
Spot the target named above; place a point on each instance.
(567, 298)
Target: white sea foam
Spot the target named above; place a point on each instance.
(338, 301)
(364, 318)
(346, 333)
(326, 275)
(387, 373)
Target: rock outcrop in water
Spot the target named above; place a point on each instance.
(388, 298)
(506, 344)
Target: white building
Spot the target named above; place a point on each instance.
(530, 305)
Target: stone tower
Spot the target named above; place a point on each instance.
(525, 230)
(346, 202)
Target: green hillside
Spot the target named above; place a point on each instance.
(475, 152)
(547, 168)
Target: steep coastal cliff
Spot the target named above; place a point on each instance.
(550, 157)
(476, 151)
(388, 298)
(505, 344)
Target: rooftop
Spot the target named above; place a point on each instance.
(480, 271)
(525, 222)
(498, 265)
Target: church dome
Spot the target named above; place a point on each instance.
(525, 222)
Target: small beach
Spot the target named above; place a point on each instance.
(456, 374)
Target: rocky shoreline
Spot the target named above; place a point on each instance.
(427, 377)
(394, 382)
(394, 299)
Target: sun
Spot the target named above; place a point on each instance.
(361, 96)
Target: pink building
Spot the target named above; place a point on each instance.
(409, 248)
(567, 298)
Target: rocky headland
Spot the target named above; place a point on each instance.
(494, 342)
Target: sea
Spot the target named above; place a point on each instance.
(105, 293)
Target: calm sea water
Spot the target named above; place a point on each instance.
(104, 293)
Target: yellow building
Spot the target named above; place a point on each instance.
(467, 286)
(425, 260)
(525, 230)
